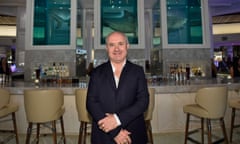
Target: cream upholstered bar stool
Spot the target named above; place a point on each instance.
(148, 115)
(234, 105)
(210, 104)
(83, 115)
(42, 107)
(8, 109)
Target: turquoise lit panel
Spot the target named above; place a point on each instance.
(184, 22)
(119, 15)
(51, 23)
(156, 15)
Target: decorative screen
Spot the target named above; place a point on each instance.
(184, 22)
(119, 15)
(51, 22)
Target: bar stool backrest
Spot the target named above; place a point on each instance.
(80, 98)
(149, 113)
(213, 100)
(43, 105)
(4, 97)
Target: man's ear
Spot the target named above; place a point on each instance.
(128, 45)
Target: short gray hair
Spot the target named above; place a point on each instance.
(123, 34)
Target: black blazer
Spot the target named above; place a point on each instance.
(129, 101)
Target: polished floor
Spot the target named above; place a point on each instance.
(161, 138)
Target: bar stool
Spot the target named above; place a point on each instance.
(210, 104)
(149, 114)
(7, 109)
(234, 105)
(43, 106)
(83, 115)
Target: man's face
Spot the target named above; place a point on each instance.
(117, 48)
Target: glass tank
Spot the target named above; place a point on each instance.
(156, 16)
(51, 22)
(119, 15)
(184, 22)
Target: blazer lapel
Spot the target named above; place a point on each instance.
(124, 74)
(110, 76)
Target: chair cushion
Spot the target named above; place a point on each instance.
(8, 109)
(235, 103)
(196, 110)
(42, 119)
(5, 97)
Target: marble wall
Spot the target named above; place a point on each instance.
(33, 58)
(134, 55)
(196, 57)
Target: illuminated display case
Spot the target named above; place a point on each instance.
(121, 16)
(184, 22)
(126, 16)
(51, 22)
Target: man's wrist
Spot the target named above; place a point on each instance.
(117, 119)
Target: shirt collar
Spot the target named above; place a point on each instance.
(113, 68)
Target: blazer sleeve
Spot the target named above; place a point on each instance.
(92, 103)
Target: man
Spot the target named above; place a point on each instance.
(118, 97)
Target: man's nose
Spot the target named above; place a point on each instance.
(116, 47)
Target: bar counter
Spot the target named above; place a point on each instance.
(170, 97)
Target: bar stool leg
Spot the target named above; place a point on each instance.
(149, 131)
(224, 130)
(186, 129)
(63, 131)
(38, 132)
(209, 129)
(85, 132)
(202, 129)
(29, 132)
(79, 136)
(15, 127)
(232, 123)
(54, 132)
(81, 133)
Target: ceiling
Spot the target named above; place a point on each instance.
(225, 11)
(217, 9)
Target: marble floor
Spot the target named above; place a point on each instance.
(160, 138)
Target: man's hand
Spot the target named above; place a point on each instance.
(123, 137)
(108, 123)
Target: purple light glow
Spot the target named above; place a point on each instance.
(13, 67)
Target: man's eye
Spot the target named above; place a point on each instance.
(111, 45)
(121, 43)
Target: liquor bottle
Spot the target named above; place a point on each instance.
(187, 71)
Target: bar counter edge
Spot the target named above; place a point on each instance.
(17, 88)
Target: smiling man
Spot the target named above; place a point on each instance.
(118, 97)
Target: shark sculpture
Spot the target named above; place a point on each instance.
(174, 23)
(125, 21)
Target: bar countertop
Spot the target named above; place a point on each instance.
(162, 86)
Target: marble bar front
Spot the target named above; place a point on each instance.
(168, 115)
